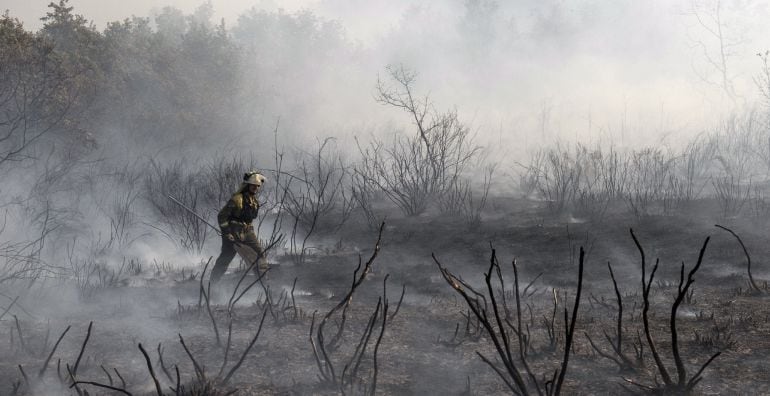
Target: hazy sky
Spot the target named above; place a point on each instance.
(103, 11)
(360, 16)
(577, 66)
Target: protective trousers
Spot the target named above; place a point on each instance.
(247, 245)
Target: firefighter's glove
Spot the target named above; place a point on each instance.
(230, 237)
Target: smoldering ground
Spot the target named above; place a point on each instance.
(530, 129)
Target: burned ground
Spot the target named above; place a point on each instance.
(429, 346)
(469, 219)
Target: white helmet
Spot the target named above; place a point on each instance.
(254, 177)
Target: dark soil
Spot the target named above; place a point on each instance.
(420, 352)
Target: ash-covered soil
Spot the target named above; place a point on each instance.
(429, 346)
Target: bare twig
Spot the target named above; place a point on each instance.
(112, 388)
(50, 355)
(150, 369)
(400, 300)
(21, 335)
(122, 380)
(748, 258)
(9, 307)
(198, 369)
(682, 385)
(382, 332)
(211, 314)
(571, 331)
(247, 288)
(245, 352)
(320, 348)
(109, 376)
(163, 364)
(203, 274)
(82, 349)
(646, 286)
(24, 375)
(227, 348)
(620, 358)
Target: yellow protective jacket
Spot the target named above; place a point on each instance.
(238, 213)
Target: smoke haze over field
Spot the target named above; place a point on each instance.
(522, 71)
(162, 96)
(171, 99)
(536, 128)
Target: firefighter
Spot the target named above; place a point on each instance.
(238, 234)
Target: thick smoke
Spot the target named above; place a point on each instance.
(146, 100)
(536, 71)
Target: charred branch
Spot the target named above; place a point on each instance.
(752, 283)
(618, 357)
(50, 355)
(481, 305)
(150, 369)
(683, 385)
(319, 345)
